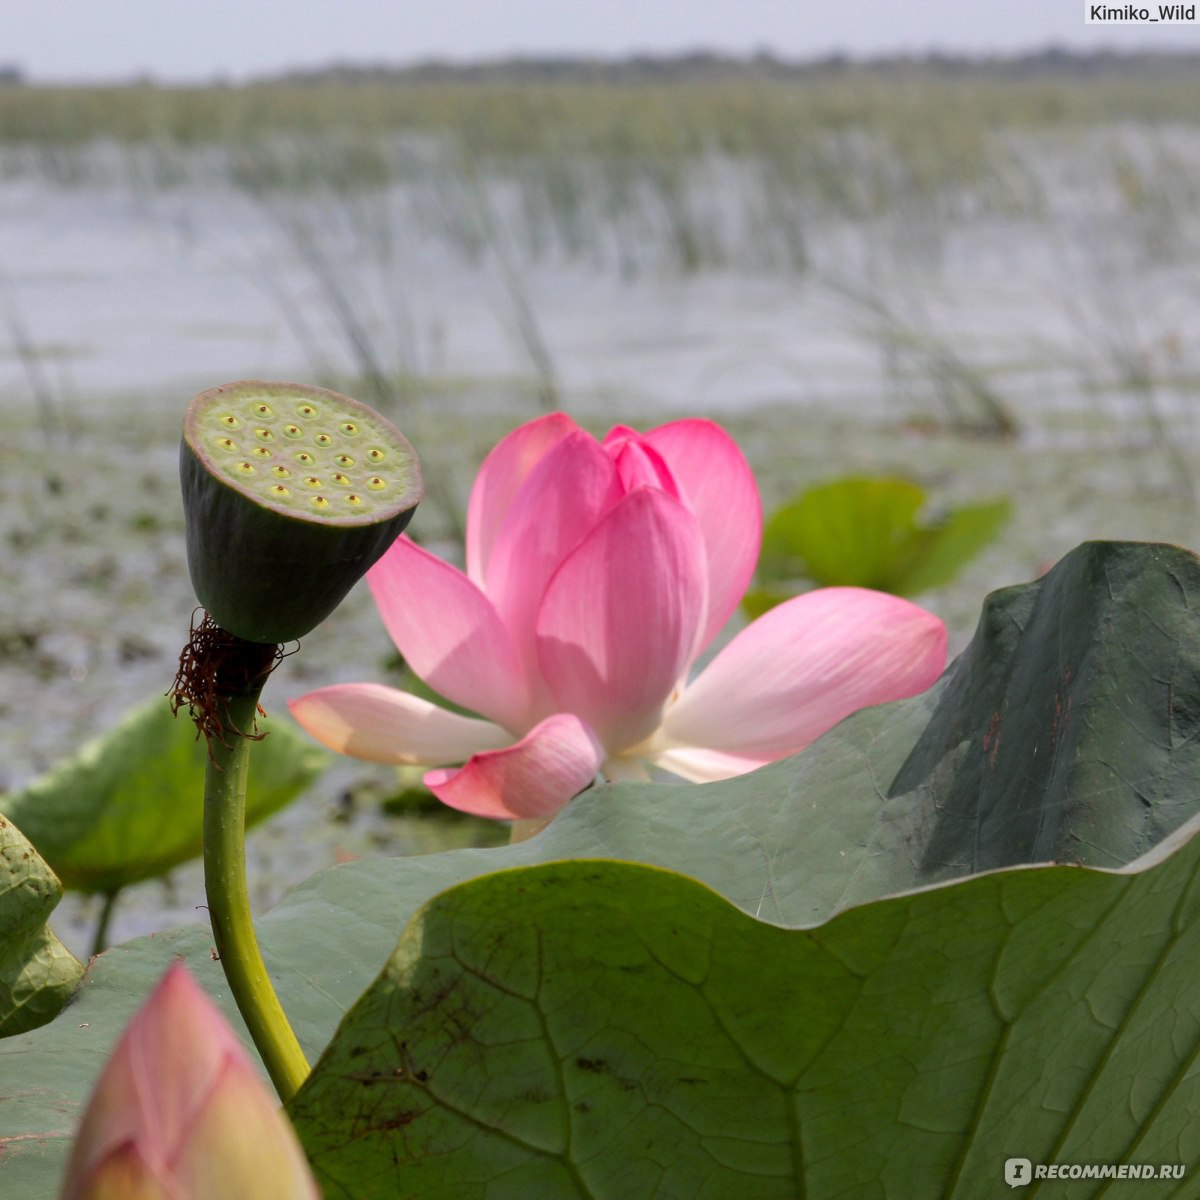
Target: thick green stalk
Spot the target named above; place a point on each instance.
(228, 898)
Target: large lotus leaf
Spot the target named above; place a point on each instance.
(603, 1029)
(598, 1028)
(38, 974)
(1065, 732)
(1070, 728)
(130, 804)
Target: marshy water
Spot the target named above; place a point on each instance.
(987, 301)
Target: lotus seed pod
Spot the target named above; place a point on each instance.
(290, 494)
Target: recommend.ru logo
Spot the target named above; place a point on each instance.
(1020, 1172)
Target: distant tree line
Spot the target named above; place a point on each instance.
(707, 67)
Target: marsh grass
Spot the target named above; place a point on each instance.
(923, 365)
(52, 417)
(587, 155)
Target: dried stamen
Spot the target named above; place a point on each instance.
(213, 665)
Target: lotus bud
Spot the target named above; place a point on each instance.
(290, 494)
(180, 1113)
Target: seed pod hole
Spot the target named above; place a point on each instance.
(323, 439)
(307, 411)
(263, 410)
(293, 431)
(349, 428)
(305, 459)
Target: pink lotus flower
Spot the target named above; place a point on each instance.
(180, 1113)
(597, 572)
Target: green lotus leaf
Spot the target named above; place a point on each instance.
(868, 533)
(38, 975)
(596, 1028)
(130, 804)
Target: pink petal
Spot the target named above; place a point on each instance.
(176, 1062)
(122, 1174)
(154, 1082)
(716, 482)
(449, 633)
(618, 623)
(501, 477)
(562, 500)
(638, 463)
(535, 778)
(240, 1145)
(382, 724)
(800, 668)
(704, 766)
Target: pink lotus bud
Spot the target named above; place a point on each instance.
(180, 1113)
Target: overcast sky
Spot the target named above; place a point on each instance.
(196, 40)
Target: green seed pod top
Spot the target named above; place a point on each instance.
(290, 494)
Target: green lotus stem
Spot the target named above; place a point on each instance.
(225, 884)
(100, 939)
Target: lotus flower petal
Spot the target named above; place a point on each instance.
(534, 778)
(180, 1112)
(501, 477)
(619, 620)
(385, 725)
(233, 1148)
(704, 766)
(638, 463)
(563, 499)
(155, 1080)
(800, 668)
(449, 633)
(716, 482)
(124, 1174)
